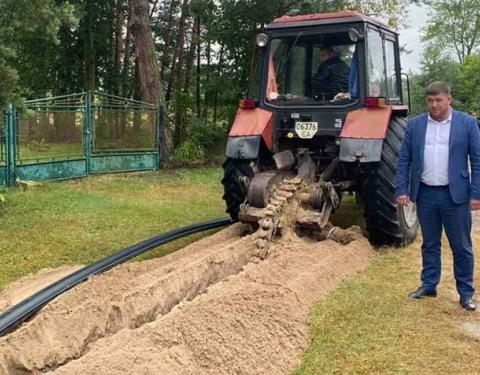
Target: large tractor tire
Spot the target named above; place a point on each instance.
(235, 174)
(387, 224)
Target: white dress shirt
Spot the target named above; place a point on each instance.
(435, 157)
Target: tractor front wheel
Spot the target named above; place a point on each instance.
(388, 224)
(237, 173)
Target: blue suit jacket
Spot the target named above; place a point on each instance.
(464, 144)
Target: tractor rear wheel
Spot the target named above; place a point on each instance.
(388, 224)
(237, 173)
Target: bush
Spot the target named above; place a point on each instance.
(202, 141)
(189, 150)
(206, 133)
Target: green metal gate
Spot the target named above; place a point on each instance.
(3, 151)
(76, 135)
(125, 135)
(7, 146)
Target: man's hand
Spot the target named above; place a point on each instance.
(342, 96)
(404, 200)
(475, 204)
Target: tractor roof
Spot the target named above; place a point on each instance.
(345, 16)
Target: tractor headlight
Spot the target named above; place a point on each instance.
(354, 35)
(262, 40)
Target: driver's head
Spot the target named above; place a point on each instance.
(326, 53)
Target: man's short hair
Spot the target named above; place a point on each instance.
(437, 88)
(332, 49)
(329, 48)
(326, 47)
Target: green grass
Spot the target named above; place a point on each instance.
(80, 221)
(368, 326)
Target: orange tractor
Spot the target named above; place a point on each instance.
(325, 115)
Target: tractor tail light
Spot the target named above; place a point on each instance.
(376, 102)
(248, 103)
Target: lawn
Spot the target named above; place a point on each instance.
(80, 221)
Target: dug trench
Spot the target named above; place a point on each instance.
(214, 307)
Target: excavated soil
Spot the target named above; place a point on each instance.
(31, 284)
(214, 307)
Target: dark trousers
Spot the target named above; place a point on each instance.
(435, 208)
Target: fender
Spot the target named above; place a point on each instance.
(363, 133)
(249, 128)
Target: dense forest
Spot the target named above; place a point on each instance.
(193, 56)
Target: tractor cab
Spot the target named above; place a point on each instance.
(331, 60)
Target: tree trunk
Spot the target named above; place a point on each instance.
(145, 52)
(215, 97)
(119, 45)
(191, 55)
(199, 50)
(118, 49)
(127, 53)
(177, 62)
(179, 132)
(167, 37)
(154, 8)
(149, 72)
(125, 75)
(133, 138)
(207, 78)
(90, 58)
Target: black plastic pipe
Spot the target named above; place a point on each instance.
(15, 315)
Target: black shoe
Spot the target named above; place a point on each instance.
(422, 292)
(467, 303)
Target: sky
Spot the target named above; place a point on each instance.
(410, 37)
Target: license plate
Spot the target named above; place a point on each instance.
(306, 130)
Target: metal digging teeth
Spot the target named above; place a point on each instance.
(269, 223)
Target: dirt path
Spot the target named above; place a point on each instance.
(213, 307)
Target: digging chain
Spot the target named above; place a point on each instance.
(271, 213)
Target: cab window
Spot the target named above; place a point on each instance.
(375, 65)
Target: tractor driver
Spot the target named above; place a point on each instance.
(332, 75)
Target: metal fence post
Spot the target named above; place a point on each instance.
(87, 132)
(160, 139)
(10, 130)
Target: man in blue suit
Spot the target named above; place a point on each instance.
(433, 172)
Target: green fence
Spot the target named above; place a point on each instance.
(76, 135)
(3, 149)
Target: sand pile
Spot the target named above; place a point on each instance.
(31, 284)
(214, 307)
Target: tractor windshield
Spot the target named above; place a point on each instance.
(319, 69)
